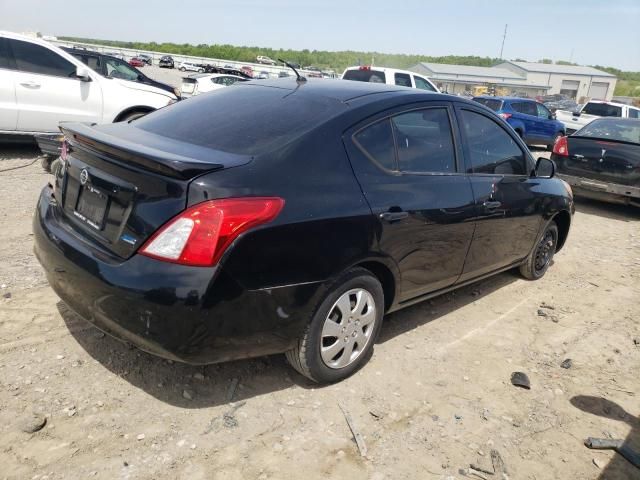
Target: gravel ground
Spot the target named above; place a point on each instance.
(435, 398)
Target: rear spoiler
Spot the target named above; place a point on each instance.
(134, 146)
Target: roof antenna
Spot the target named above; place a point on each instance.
(300, 78)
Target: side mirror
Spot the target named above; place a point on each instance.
(552, 116)
(576, 114)
(83, 74)
(545, 168)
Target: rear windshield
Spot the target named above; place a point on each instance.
(622, 130)
(602, 110)
(373, 76)
(491, 103)
(243, 119)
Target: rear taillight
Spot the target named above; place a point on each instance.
(561, 147)
(201, 234)
(365, 67)
(506, 116)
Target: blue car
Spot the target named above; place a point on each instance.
(535, 124)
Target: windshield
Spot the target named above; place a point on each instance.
(622, 130)
(373, 76)
(602, 110)
(491, 103)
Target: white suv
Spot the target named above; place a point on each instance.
(390, 76)
(42, 85)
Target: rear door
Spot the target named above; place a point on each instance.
(527, 113)
(8, 107)
(407, 164)
(48, 91)
(507, 210)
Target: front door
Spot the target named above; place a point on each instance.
(48, 91)
(507, 210)
(8, 107)
(545, 123)
(406, 163)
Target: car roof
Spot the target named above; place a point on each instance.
(342, 90)
(384, 69)
(508, 99)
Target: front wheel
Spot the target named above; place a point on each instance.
(540, 258)
(182, 69)
(340, 336)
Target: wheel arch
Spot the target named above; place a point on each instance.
(385, 275)
(563, 221)
(130, 110)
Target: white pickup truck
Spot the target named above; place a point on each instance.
(574, 121)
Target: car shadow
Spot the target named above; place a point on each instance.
(179, 384)
(26, 149)
(409, 318)
(618, 467)
(614, 211)
(188, 386)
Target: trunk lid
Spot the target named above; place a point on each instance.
(119, 184)
(605, 160)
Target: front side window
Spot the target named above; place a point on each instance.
(34, 58)
(424, 141)
(633, 113)
(543, 112)
(402, 79)
(490, 148)
(422, 84)
(4, 54)
(376, 141)
(119, 69)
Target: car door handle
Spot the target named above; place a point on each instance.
(393, 216)
(492, 205)
(30, 84)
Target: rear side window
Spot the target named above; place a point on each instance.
(422, 84)
(402, 80)
(602, 110)
(543, 112)
(366, 75)
(528, 108)
(424, 141)
(34, 58)
(376, 141)
(491, 103)
(490, 148)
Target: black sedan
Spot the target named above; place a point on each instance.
(602, 160)
(166, 61)
(290, 216)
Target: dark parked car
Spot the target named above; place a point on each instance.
(602, 160)
(145, 58)
(113, 67)
(209, 231)
(535, 124)
(166, 61)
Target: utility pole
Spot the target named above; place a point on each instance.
(503, 39)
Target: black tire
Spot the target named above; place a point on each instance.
(306, 357)
(555, 139)
(182, 69)
(201, 70)
(542, 254)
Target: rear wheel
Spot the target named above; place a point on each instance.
(200, 70)
(339, 339)
(182, 69)
(540, 258)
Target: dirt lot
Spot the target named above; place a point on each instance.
(435, 398)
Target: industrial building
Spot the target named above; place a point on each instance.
(523, 79)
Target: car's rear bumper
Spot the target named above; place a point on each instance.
(190, 314)
(602, 190)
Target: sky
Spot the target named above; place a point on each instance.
(588, 32)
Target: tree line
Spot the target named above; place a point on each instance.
(629, 82)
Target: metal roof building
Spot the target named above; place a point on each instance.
(521, 79)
